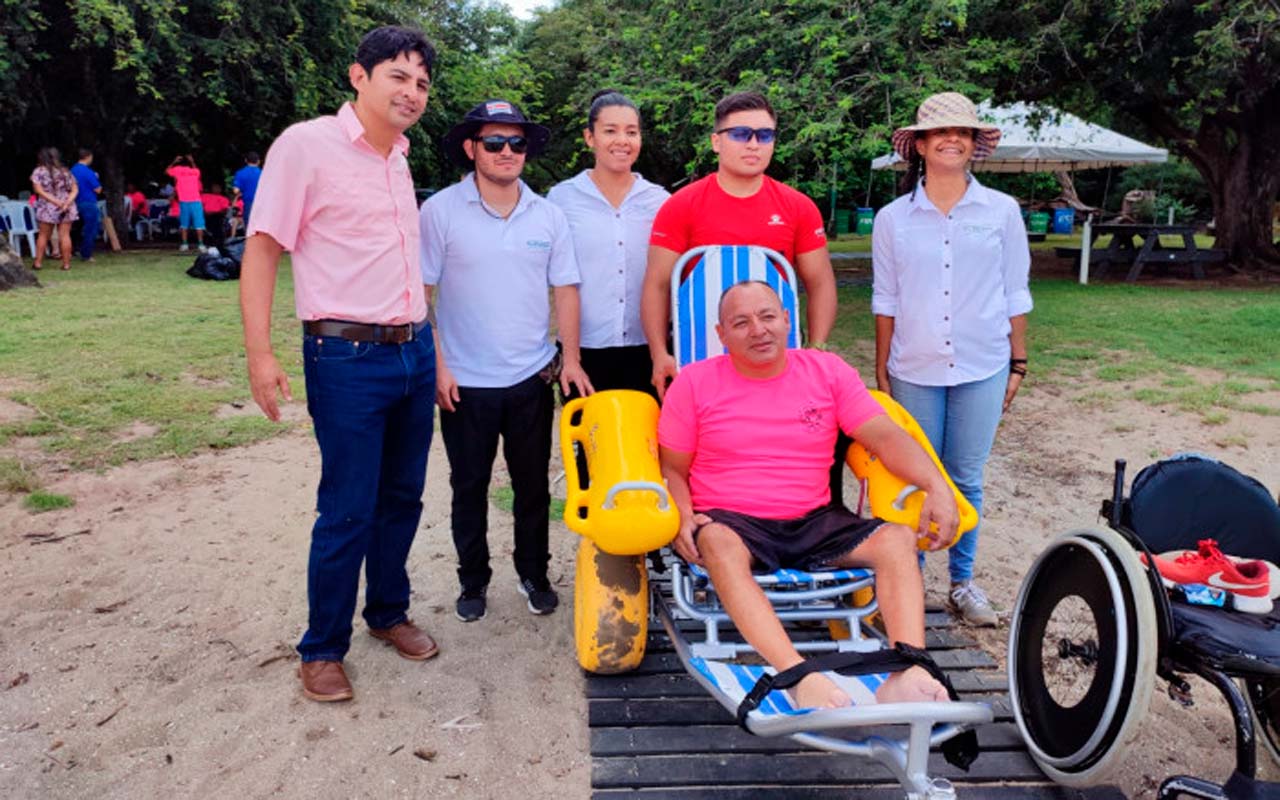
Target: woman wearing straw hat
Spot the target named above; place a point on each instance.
(950, 300)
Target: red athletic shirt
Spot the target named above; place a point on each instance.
(777, 217)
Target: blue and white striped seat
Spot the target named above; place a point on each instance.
(703, 274)
(795, 577)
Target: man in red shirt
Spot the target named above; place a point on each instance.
(738, 204)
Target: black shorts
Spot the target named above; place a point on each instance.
(808, 543)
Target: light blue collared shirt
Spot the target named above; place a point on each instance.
(951, 283)
(493, 313)
(612, 247)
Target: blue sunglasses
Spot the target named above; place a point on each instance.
(743, 134)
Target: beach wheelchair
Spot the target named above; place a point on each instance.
(1093, 627)
(623, 512)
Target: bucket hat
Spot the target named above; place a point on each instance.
(947, 110)
(493, 111)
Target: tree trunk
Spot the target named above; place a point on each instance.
(1242, 172)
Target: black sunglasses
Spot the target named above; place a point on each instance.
(494, 144)
(742, 134)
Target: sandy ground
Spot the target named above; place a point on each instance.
(146, 635)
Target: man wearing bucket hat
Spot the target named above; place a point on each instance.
(490, 248)
(950, 298)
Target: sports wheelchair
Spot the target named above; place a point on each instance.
(1093, 627)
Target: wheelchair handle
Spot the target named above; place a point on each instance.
(637, 486)
(901, 499)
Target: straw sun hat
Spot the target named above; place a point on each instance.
(947, 110)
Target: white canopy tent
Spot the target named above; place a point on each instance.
(1044, 139)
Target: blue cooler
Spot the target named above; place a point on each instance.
(1064, 219)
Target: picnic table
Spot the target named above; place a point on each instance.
(1139, 245)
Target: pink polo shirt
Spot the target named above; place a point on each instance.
(186, 183)
(763, 447)
(349, 218)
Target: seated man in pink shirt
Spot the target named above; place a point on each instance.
(746, 444)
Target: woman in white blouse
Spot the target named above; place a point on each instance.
(610, 211)
(950, 300)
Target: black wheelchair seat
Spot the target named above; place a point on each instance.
(1241, 645)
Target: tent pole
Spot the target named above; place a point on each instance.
(871, 175)
(1086, 244)
(1106, 191)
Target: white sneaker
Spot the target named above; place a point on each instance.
(970, 604)
(182, 248)
(202, 248)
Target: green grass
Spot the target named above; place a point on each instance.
(16, 477)
(40, 501)
(504, 497)
(132, 339)
(852, 243)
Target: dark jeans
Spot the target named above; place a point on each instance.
(521, 415)
(373, 409)
(91, 227)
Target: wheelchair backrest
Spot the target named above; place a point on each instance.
(703, 274)
(1176, 502)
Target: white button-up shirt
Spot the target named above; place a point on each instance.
(493, 314)
(612, 246)
(951, 282)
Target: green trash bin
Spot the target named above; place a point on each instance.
(866, 217)
(1038, 222)
(842, 221)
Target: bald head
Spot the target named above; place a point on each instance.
(754, 328)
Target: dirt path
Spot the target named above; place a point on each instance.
(146, 636)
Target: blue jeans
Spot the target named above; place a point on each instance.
(960, 422)
(373, 408)
(92, 226)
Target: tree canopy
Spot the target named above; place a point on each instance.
(142, 80)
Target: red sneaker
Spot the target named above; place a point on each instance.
(1249, 582)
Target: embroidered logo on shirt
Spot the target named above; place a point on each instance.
(776, 219)
(978, 230)
(538, 244)
(811, 417)
(821, 233)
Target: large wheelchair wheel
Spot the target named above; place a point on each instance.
(1082, 655)
(610, 610)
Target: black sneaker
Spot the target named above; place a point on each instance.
(542, 598)
(471, 605)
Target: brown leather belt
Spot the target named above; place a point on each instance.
(363, 332)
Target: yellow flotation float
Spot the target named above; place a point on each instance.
(893, 499)
(622, 510)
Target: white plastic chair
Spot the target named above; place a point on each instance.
(20, 219)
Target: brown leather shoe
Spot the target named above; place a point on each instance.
(408, 639)
(324, 681)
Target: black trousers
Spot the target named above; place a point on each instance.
(521, 416)
(618, 368)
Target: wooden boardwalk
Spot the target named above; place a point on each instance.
(657, 735)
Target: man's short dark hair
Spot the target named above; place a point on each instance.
(388, 42)
(739, 285)
(85, 153)
(743, 101)
(251, 157)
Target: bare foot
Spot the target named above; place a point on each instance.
(816, 690)
(913, 685)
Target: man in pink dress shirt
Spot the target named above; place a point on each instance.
(336, 193)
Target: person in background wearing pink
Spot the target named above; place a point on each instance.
(186, 185)
(764, 410)
(215, 205)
